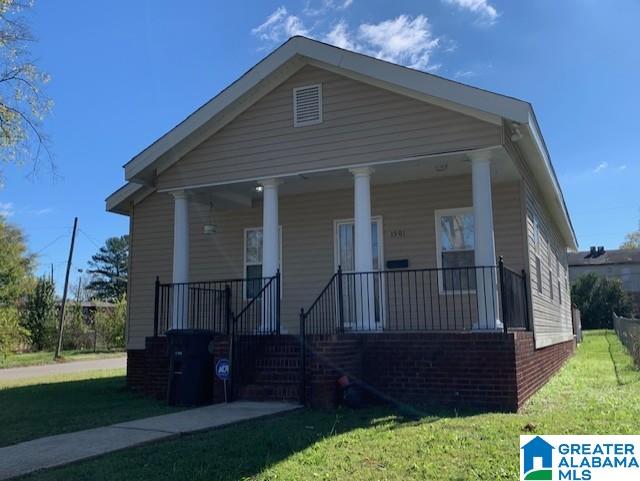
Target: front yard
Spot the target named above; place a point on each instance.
(598, 391)
(38, 407)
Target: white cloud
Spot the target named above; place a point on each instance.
(601, 166)
(6, 209)
(43, 211)
(404, 39)
(622, 167)
(340, 36)
(487, 12)
(279, 26)
(464, 74)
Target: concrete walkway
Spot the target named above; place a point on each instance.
(51, 451)
(14, 373)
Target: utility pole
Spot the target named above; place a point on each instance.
(64, 292)
(52, 273)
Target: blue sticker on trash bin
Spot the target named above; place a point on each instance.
(223, 369)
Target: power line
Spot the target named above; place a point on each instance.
(52, 242)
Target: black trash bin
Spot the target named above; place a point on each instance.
(190, 367)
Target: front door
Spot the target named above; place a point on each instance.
(345, 257)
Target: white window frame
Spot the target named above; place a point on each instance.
(336, 245)
(439, 213)
(295, 106)
(246, 264)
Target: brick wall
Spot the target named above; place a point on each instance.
(156, 367)
(478, 370)
(451, 369)
(135, 369)
(535, 367)
(328, 358)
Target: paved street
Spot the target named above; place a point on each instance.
(14, 373)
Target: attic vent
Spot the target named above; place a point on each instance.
(307, 105)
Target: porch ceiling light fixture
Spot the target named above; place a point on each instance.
(210, 228)
(258, 188)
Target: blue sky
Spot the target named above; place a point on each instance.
(123, 76)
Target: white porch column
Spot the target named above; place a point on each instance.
(270, 249)
(180, 260)
(485, 251)
(363, 256)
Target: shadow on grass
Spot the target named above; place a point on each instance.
(33, 411)
(243, 451)
(626, 372)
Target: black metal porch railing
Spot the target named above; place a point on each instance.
(433, 299)
(214, 305)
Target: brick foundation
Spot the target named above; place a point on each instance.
(534, 367)
(489, 371)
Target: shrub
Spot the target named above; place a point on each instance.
(110, 324)
(11, 333)
(39, 317)
(597, 298)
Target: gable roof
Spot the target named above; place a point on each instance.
(300, 51)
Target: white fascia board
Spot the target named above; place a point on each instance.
(118, 202)
(550, 179)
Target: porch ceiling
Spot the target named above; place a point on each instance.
(241, 194)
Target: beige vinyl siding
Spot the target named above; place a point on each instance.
(151, 237)
(308, 238)
(551, 318)
(361, 124)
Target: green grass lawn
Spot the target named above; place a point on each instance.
(36, 407)
(46, 357)
(598, 391)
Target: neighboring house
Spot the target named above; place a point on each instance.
(89, 308)
(622, 264)
(376, 198)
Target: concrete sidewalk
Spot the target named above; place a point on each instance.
(51, 451)
(14, 373)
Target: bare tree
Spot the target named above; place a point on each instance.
(23, 105)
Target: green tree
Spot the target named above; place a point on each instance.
(632, 240)
(109, 268)
(40, 314)
(110, 324)
(11, 334)
(597, 298)
(23, 105)
(16, 264)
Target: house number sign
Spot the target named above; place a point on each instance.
(397, 234)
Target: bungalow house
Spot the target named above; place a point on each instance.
(330, 213)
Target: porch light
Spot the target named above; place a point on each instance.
(210, 229)
(258, 188)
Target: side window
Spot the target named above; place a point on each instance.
(538, 275)
(550, 285)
